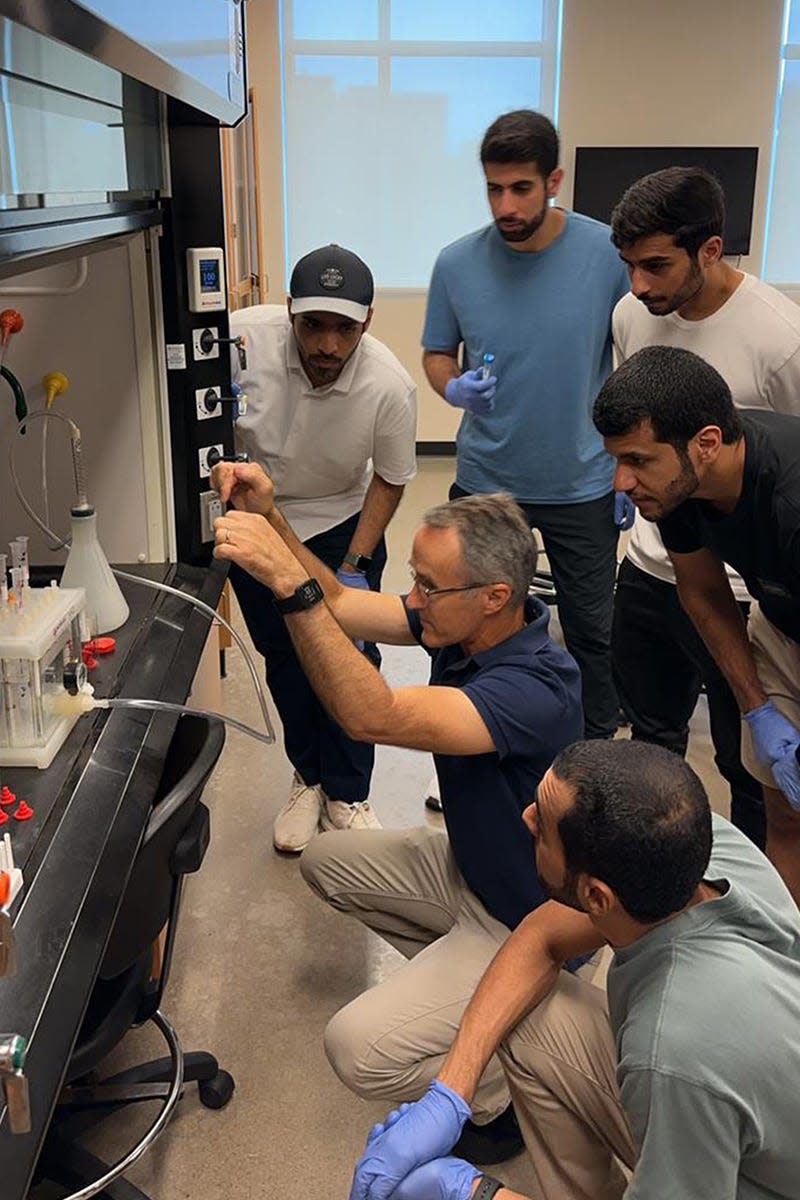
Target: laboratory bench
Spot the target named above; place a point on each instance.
(91, 807)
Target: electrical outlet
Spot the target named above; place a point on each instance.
(202, 396)
(199, 353)
(202, 456)
(210, 509)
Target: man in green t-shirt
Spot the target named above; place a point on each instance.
(696, 1100)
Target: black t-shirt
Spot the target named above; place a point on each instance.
(528, 692)
(761, 537)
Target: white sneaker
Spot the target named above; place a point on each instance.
(297, 822)
(335, 814)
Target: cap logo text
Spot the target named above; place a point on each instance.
(331, 279)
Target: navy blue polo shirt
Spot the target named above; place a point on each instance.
(528, 692)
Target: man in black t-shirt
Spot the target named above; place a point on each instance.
(724, 487)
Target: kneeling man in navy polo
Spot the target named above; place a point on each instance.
(503, 699)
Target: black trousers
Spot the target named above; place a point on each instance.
(318, 749)
(580, 541)
(660, 663)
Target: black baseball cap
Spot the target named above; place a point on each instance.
(335, 280)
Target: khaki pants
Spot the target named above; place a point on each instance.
(390, 1042)
(777, 660)
(560, 1063)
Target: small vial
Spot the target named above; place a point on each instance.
(16, 583)
(22, 542)
(486, 366)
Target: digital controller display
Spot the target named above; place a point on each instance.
(209, 275)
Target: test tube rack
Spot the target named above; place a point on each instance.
(38, 637)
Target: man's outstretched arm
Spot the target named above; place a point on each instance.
(371, 616)
(440, 719)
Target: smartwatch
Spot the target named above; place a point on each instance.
(361, 562)
(305, 596)
(487, 1188)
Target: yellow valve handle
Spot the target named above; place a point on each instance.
(54, 384)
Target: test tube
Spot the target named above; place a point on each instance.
(16, 583)
(3, 579)
(22, 542)
(486, 366)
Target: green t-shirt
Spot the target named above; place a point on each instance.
(706, 1014)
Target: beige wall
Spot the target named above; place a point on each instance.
(686, 72)
(634, 72)
(101, 338)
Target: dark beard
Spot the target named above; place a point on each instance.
(682, 487)
(691, 287)
(525, 232)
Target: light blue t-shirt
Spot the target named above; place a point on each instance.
(546, 317)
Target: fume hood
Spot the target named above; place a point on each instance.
(109, 173)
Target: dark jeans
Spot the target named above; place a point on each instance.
(660, 663)
(318, 749)
(580, 541)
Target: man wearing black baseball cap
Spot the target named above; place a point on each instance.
(332, 419)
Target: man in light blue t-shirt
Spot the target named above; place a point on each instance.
(536, 289)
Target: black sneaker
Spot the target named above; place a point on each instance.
(496, 1142)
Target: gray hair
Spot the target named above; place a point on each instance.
(496, 540)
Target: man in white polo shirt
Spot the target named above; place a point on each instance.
(668, 228)
(331, 417)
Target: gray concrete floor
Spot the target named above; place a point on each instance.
(261, 965)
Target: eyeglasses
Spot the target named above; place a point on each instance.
(429, 592)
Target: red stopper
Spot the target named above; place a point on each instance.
(24, 812)
(10, 322)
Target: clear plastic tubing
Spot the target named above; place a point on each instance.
(166, 706)
(210, 612)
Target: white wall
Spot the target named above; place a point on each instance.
(634, 72)
(101, 339)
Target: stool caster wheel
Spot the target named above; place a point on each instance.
(216, 1092)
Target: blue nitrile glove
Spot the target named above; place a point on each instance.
(775, 741)
(472, 392)
(418, 1133)
(442, 1179)
(786, 773)
(354, 579)
(624, 511)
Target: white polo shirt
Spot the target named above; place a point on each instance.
(320, 446)
(753, 340)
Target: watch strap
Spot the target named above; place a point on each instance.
(361, 562)
(305, 596)
(487, 1188)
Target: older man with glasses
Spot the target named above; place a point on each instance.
(503, 699)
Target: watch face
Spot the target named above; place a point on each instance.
(309, 593)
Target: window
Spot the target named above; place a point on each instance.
(782, 245)
(385, 104)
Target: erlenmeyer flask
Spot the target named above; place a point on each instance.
(87, 567)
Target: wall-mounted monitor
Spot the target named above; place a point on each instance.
(602, 173)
